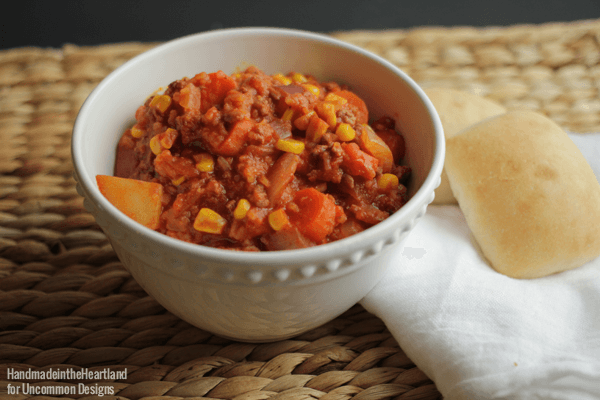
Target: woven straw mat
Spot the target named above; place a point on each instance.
(67, 302)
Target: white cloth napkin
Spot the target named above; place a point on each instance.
(481, 335)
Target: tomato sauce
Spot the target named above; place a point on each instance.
(257, 162)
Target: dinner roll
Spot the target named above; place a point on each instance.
(458, 110)
(528, 195)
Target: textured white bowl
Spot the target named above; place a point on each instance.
(262, 296)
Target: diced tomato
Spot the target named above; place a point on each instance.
(167, 138)
(253, 224)
(236, 138)
(174, 167)
(214, 89)
(394, 141)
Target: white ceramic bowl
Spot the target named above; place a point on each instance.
(262, 296)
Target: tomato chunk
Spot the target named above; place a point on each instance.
(173, 167)
(236, 138)
(395, 142)
(214, 89)
(139, 200)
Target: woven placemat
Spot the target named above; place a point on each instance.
(67, 303)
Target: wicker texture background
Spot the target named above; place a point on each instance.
(67, 302)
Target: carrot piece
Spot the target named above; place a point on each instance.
(139, 200)
(236, 138)
(215, 90)
(359, 163)
(316, 214)
(362, 113)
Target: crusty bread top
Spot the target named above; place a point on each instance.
(529, 196)
(458, 110)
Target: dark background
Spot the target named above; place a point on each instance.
(49, 23)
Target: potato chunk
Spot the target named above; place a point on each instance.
(139, 200)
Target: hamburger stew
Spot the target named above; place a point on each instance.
(257, 162)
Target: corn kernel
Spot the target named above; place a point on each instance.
(290, 145)
(339, 101)
(288, 114)
(178, 181)
(316, 129)
(345, 132)
(302, 122)
(161, 102)
(206, 163)
(278, 219)
(299, 78)
(242, 208)
(282, 79)
(388, 182)
(209, 221)
(137, 132)
(326, 111)
(155, 145)
(313, 89)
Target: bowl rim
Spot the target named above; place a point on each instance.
(420, 198)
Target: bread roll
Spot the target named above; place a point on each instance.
(529, 196)
(458, 110)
